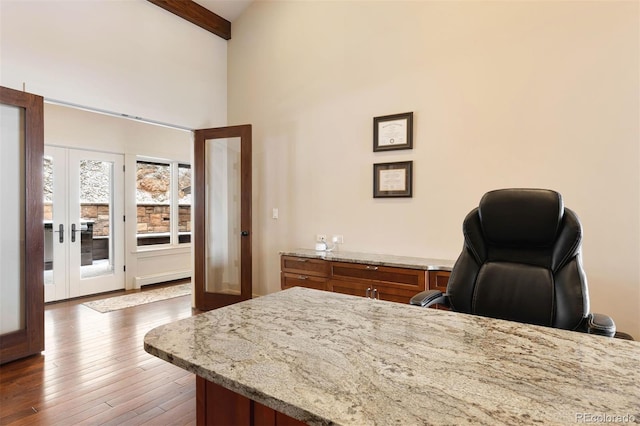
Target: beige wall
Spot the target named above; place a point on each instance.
(504, 94)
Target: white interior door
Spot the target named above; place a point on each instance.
(84, 223)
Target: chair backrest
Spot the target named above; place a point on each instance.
(521, 260)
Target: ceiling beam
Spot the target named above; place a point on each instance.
(198, 15)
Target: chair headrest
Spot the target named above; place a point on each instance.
(521, 217)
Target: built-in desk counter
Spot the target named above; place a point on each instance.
(373, 259)
(328, 358)
(376, 276)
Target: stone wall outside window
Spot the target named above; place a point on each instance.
(151, 218)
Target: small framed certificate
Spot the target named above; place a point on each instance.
(393, 179)
(391, 132)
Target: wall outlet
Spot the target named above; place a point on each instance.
(321, 238)
(337, 239)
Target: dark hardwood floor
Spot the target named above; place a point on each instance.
(95, 371)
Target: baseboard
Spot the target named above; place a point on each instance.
(160, 278)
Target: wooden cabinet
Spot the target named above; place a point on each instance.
(395, 284)
(378, 282)
(218, 406)
(438, 280)
(304, 272)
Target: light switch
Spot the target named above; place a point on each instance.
(274, 213)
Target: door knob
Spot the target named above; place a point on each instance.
(244, 233)
(61, 233)
(73, 232)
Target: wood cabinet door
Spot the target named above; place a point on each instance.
(354, 288)
(438, 280)
(218, 406)
(378, 282)
(395, 293)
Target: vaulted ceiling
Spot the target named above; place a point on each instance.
(214, 16)
(228, 9)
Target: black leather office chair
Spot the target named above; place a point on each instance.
(521, 261)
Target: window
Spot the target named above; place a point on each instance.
(163, 199)
(184, 203)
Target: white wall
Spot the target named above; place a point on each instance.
(75, 128)
(504, 94)
(126, 56)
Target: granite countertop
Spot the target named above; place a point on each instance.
(328, 358)
(375, 259)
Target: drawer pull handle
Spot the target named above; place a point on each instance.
(376, 295)
(368, 292)
(372, 268)
(302, 260)
(302, 277)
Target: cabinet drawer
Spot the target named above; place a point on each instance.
(414, 279)
(304, 266)
(300, 280)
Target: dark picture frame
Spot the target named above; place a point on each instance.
(393, 180)
(393, 132)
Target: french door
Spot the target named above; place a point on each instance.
(83, 223)
(222, 237)
(21, 294)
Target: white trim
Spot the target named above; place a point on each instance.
(164, 250)
(116, 114)
(158, 278)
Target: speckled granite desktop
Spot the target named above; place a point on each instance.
(375, 259)
(328, 358)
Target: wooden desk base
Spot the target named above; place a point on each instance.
(216, 405)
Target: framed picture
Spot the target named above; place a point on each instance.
(392, 132)
(393, 180)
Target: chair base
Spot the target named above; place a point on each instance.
(621, 335)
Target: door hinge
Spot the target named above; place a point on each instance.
(124, 218)
(124, 268)
(123, 167)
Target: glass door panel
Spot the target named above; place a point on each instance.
(12, 192)
(55, 224)
(96, 223)
(222, 227)
(96, 180)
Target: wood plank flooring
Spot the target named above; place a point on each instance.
(95, 371)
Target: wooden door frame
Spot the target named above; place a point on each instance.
(30, 340)
(206, 301)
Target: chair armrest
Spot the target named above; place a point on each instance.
(600, 324)
(429, 297)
